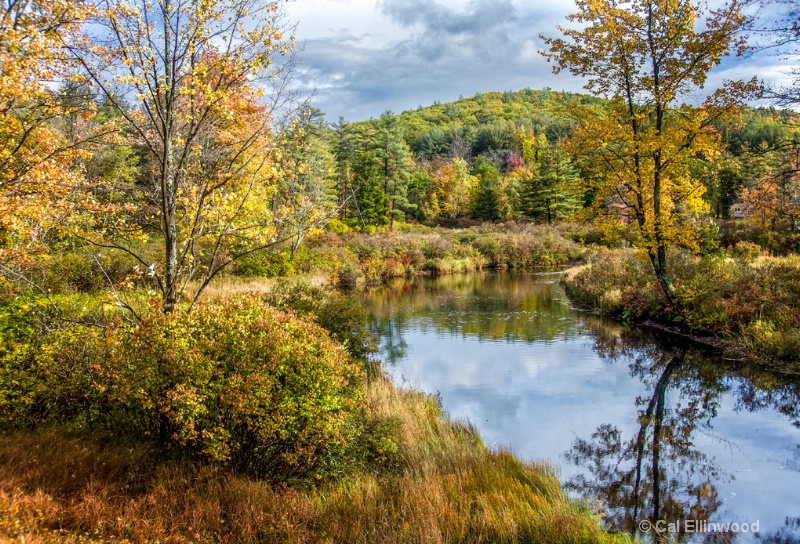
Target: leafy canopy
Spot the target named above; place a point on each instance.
(648, 57)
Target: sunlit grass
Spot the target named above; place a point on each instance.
(747, 298)
(443, 486)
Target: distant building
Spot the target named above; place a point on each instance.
(739, 210)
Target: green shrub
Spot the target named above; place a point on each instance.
(703, 307)
(265, 264)
(46, 374)
(337, 226)
(746, 251)
(70, 271)
(341, 315)
(240, 384)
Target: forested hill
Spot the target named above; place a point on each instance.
(542, 110)
(503, 155)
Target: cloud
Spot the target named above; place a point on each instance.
(479, 17)
(357, 81)
(364, 58)
(442, 51)
(448, 35)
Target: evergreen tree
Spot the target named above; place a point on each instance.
(305, 197)
(507, 197)
(368, 180)
(397, 165)
(484, 199)
(552, 197)
(344, 149)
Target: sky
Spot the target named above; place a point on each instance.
(363, 57)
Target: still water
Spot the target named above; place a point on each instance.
(651, 428)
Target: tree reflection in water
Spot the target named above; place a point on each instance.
(658, 473)
(493, 307)
(649, 467)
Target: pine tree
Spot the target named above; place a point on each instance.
(552, 196)
(397, 162)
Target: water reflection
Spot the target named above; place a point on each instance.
(487, 306)
(652, 428)
(655, 474)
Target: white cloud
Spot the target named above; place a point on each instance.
(365, 56)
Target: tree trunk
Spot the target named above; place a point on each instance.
(170, 246)
(659, 259)
(168, 174)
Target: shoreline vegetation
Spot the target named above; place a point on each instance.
(734, 295)
(444, 486)
(738, 294)
(740, 301)
(350, 258)
(169, 430)
(132, 443)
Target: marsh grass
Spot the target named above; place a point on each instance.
(226, 287)
(415, 250)
(442, 486)
(750, 299)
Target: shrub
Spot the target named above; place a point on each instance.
(265, 264)
(237, 383)
(751, 300)
(337, 226)
(46, 375)
(341, 315)
(348, 274)
(746, 251)
(528, 247)
(619, 283)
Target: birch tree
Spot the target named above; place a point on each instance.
(204, 79)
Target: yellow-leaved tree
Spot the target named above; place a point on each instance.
(37, 157)
(649, 58)
(197, 84)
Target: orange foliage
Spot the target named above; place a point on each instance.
(774, 201)
(37, 159)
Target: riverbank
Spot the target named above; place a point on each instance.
(353, 258)
(446, 486)
(742, 302)
(80, 460)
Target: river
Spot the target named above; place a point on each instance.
(655, 431)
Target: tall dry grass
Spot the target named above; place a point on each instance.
(444, 487)
(750, 300)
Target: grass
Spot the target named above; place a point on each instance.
(355, 258)
(443, 486)
(229, 286)
(749, 299)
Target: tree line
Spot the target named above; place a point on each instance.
(166, 133)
